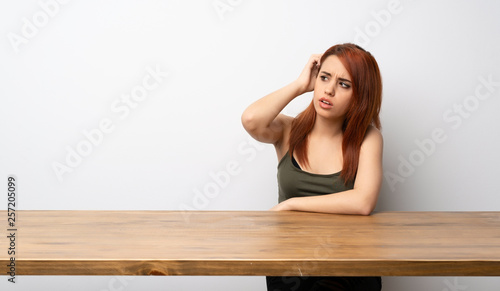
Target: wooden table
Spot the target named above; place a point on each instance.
(254, 243)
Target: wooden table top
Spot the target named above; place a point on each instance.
(254, 243)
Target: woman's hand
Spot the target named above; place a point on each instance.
(307, 77)
(263, 119)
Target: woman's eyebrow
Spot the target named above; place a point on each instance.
(340, 79)
(345, 80)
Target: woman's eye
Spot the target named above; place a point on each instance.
(323, 78)
(344, 85)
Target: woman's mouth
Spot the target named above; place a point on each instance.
(324, 103)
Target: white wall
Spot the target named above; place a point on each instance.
(197, 65)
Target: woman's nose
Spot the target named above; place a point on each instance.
(329, 90)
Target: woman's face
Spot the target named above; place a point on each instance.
(333, 89)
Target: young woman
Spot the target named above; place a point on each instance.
(330, 155)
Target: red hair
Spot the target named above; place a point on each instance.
(362, 112)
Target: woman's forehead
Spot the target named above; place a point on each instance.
(334, 67)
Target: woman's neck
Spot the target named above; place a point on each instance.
(327, 128)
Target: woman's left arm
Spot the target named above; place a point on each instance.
(362, 199)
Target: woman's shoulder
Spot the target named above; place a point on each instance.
(373, 137)
(372, 130)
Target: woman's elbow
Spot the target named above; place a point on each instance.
(365, 211)
(366, 208)
(248, 121)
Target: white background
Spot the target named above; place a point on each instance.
(65, 66)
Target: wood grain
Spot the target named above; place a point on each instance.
(255, 243)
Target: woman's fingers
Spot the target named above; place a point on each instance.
(308, 75)
(316, 59)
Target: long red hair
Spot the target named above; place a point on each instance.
(364, 108)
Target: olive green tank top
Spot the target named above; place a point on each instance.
(294, 182)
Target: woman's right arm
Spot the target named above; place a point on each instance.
(262, 119)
